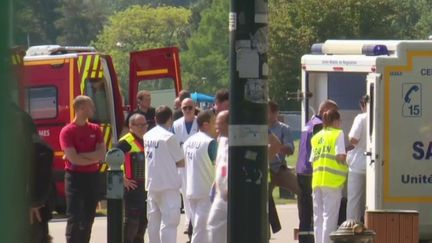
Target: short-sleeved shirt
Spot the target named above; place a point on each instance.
(356, 158)
(149, 115)
(283, 132)
(162, 152)
(84, 139)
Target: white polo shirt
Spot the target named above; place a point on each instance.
(199, 167)
(162, 151)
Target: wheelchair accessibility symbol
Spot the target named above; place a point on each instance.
(411, 100)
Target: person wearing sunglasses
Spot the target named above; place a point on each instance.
(183, 128)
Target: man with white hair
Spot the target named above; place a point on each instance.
(132, 144)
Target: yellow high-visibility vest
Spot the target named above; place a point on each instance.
(327, 171)
(136, 148)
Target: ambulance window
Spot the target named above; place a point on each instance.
(162, 90)
(346, 89)
(95, 88)
(42, 102)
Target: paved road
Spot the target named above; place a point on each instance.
(287, 214)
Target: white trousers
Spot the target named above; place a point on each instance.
(217, 221)
(326, 203)
(163, 215)
(186, 206)
(356, 195)
(200, 209)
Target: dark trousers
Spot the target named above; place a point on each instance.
(40, 232)
(82, 196)
(135, 221)
(305, 209)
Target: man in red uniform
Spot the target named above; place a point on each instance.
(84, 147)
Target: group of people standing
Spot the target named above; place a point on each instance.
(159, 153)
(165, 156)
(180, 156)
(324, 163)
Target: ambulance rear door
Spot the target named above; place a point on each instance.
(157, 71)
(339, 78)
(374, 161)
(99, 81)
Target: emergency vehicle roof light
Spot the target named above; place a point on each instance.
(316, 49)
(57, 50)
(375, 50)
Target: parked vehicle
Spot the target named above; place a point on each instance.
(54, 75)
(396, 76)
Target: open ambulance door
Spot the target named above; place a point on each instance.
(374, 166)
(157, 71)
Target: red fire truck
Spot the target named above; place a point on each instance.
(54, 75)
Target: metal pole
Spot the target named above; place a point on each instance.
(248, 129)
(14, 156)
(115, 158)
(11, 24)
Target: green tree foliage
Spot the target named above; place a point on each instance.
(415, 18)
(34, 21)
(295, 25)
(120, 5)
(205, 62)
(80, 21)
(139, 28)
(201, 31)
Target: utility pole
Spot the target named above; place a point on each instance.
(11, 38)
(14, 151)
(248, 129)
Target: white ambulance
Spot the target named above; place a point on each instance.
(397, 77)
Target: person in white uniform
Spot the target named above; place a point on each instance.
(200, 154)
(217, 221)
(163, 156)
(357, 166)
(183, 128)
(329, 175)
